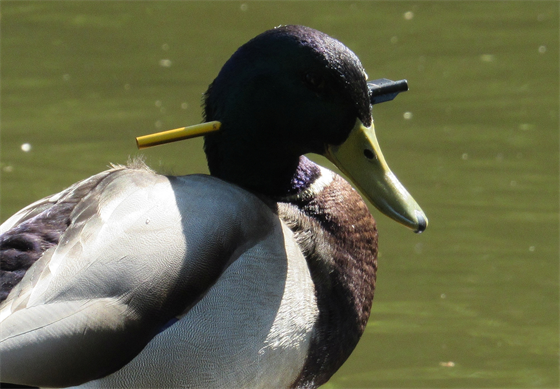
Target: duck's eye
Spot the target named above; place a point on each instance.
(314, 81)
(369, 154)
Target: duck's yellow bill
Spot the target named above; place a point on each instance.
(360, 158)
(182, 133)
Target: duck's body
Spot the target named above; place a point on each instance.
(248, 319)
(262, 276)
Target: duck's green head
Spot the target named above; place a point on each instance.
(292, 88)
(290, 91)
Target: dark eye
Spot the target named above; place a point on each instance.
(315, 82)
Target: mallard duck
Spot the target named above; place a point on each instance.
(259, 275)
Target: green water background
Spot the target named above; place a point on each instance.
(471, 303)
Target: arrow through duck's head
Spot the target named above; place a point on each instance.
(294, 90)
(290, 91)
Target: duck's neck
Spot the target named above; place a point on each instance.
(306, 174)
(271, 172)
(276, 180)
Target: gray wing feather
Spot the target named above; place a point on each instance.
(140, 249)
